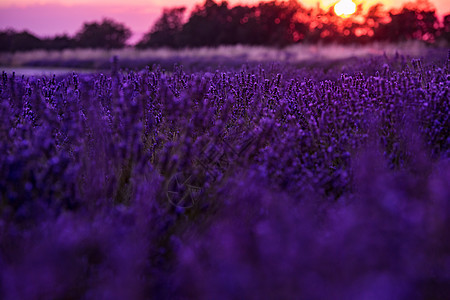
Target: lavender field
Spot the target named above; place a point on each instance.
(257, 181)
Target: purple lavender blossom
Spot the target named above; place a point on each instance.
(264, 182)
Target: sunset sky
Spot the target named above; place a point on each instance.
(50, 17)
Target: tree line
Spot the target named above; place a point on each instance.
(274, 23)
(107, 34)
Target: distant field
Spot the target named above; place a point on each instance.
(215, 57)
(42, 71)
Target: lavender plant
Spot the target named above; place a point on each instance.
(264, 182)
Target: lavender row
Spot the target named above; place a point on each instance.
(264, 182)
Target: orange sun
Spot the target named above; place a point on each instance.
(345, 8)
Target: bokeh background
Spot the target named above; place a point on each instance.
(64, 20)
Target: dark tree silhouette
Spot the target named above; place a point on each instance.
(416, 21)
(206, 25)
(445, 31)
(242, 25)
(277, 23)
(5, 40)
(428, 25)
(323, 27)
(59, 42)
(25, 41)
(374, 18)
(213, 24)
(11, 41)
(108, 34)
(166, 31)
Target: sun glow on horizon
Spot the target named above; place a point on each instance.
(345, 8)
